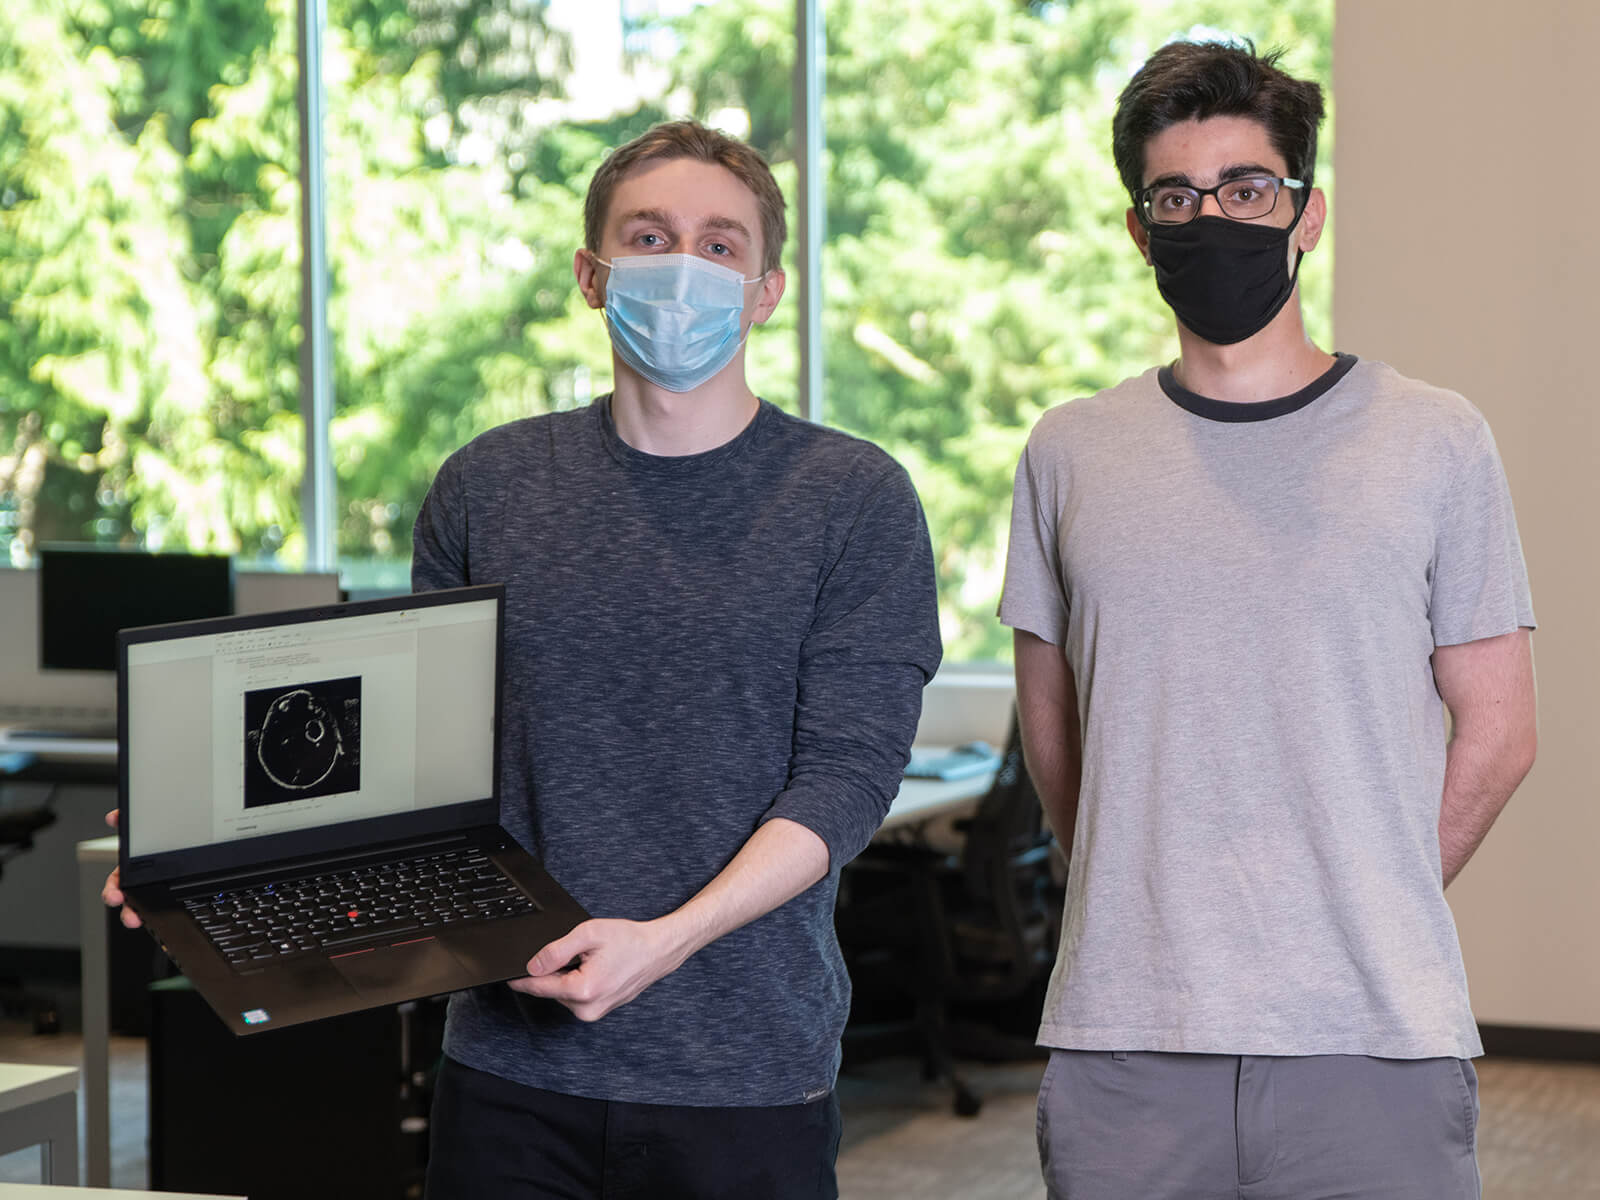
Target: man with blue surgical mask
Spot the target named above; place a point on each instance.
(676, 320)
(719, 622)
(1247, 588)
(680, 263)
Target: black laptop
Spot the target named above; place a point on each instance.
(309, 806)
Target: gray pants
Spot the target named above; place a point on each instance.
(1224, 1127)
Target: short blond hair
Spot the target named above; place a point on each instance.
(690, 139)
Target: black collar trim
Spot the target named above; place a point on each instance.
(1265, 410)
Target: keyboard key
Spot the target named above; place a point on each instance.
(365, 904)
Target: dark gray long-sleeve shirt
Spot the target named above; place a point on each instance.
(694, 645)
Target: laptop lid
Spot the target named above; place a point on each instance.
(252, 740)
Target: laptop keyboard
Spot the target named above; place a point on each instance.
(324, 913)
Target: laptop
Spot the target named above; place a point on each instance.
(309, 806)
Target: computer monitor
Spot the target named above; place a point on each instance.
(87, 593)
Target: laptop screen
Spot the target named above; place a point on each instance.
(251, 727)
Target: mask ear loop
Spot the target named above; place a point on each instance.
(1299, 255)
(745, 336)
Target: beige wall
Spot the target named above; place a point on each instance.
(1494, 295)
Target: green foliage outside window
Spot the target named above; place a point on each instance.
(975, 271)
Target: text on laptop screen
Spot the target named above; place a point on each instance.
(283, 727)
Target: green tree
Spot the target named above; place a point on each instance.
(150, 252)
(120, 292)
(976, 270)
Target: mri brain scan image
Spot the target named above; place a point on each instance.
(302, 741)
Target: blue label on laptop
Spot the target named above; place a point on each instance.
(256, 1016)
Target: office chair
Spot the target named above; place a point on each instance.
(972, 928)
(17, 829)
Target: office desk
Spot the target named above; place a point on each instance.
(39, 1107)
(96, 857)
(39, 1191)
(55, 759)
(922, 799)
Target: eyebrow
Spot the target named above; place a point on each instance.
(652, 216)
(729, 223)
(1233, 171)
(656, 216)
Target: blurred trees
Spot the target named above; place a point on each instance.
(976, 270)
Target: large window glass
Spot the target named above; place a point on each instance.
(149, 289)
(977, 269)
(461, 139)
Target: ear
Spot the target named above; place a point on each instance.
(768, 295)
(1140, 235)
(590, 283)
(1312, 221)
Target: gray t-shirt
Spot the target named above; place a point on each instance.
(693, 646)
(1249, 596)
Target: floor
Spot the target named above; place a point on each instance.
(1539, 1137)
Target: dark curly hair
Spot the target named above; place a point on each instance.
(1194, 80)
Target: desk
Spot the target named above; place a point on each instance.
(96, 857)
(59, 759)
(39, 1107)
(922, 799)
(38, 1191)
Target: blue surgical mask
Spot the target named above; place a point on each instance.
(674, 318)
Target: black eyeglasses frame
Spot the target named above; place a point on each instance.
(1142, 198)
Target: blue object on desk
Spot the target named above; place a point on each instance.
(959, 762)
(12, 761)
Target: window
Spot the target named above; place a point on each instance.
(974, 270)
(149, 286)
(460, 150)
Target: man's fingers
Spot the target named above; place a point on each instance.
(558, 954)
(112, 895)
(111, 818)
(566, 988)
(570, 989)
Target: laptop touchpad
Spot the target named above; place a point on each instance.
(422, 968)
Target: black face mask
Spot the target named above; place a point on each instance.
(1224, 279)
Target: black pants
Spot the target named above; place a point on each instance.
(492, 1138)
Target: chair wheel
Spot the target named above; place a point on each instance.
(967, 1103)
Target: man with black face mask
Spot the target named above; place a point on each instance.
(1247, 588)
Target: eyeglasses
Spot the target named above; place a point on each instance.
(1248, 198)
